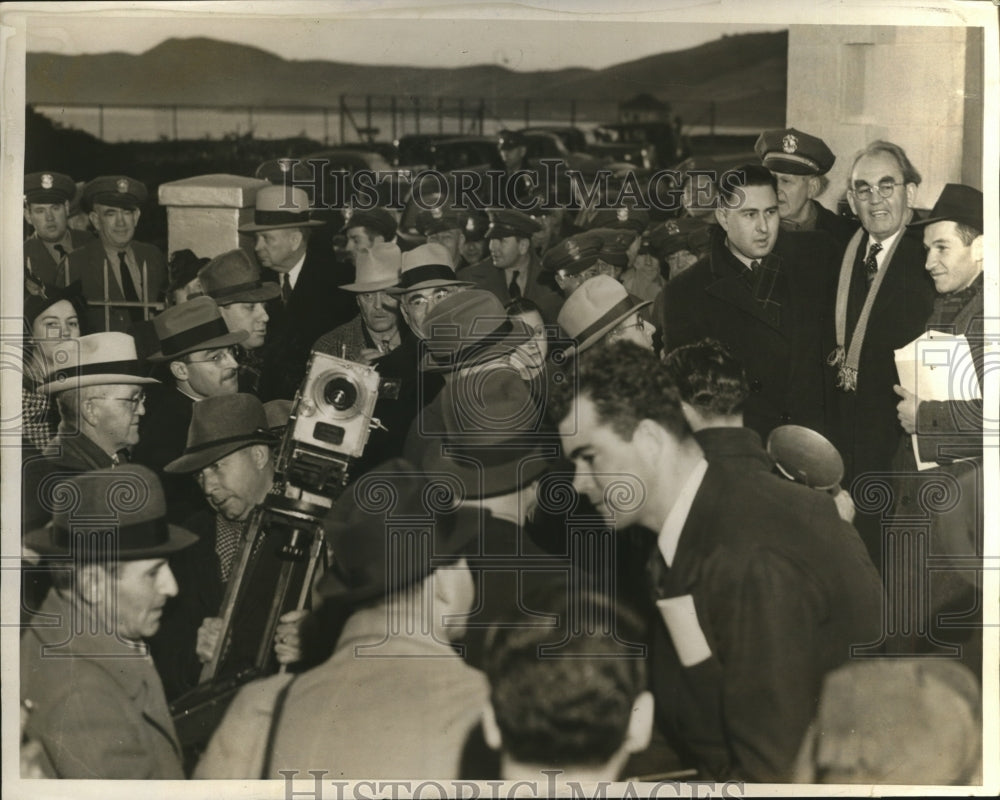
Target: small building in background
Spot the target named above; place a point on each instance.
(643, 108)
(920, 87)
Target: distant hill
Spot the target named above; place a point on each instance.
(744, 74)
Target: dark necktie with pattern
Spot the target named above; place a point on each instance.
(513, 289)
(871, 265)
(61, 251)
(128, 287)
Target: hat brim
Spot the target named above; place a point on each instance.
(496, 346)
(481, 481)
(80, 381)
(790, 166)
(609, 325)
(431, 284)
(253, 228)
(47, 196)
(192, 462)
(40, 541)
(374, 286)
(956, 218)
(219, 341)
(267, 291)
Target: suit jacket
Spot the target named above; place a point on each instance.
(782, 357)
(486, 276)
(317, 305)
(740, 447)
(43, 265)
(781, 588)
(863, 424)
(98, 705)
(163, 433)
(839, 227)
(87, 264)
(407, 713)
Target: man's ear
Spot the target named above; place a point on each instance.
(179, 370)
(491, 731)
(259, 453)
(640, 724)
(649, 437)
(137, 212)
(911, 194)
(815, 187)
(722, 217)
(977, 249)
(27, 216)
(93, 217)
(91, 583)
(851, 202)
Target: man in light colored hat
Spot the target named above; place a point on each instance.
(229, 456)
(513, 268)
(427, 277)
(405, 702)
(375, 331)
(116, 270)
(97, 384)
(312, 300)
(233, 281)
(47, 196)
(365, 229)
(96, 702)
(197, 347)
(799, 162)
(601, 312)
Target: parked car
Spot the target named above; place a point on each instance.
(653, 145)
(574, 139)
(388, 150)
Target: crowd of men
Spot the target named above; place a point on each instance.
(630, 574)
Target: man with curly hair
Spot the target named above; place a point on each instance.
(755, 589)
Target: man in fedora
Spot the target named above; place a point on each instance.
(233, 281)
(229, 457)
(601, 312)
(98, 385)
(197, 347)
(46, 209)
(96, 703)
(494, 445)
(427, 276)
(312, 301)
(404, 701)
(366, 229)
(513, 268)
(116, 270)
(375, 330)
(948, 432)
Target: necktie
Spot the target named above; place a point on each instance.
(871, 265)
(513, 289)
(286, 289)
(656, 574)
(128, 287)
(61, 251)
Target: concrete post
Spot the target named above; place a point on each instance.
(204, 213)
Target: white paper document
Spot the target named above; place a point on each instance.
(937, 366)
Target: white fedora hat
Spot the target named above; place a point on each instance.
(93, 360)
(595, 308)
(376, 268)
(280, 207)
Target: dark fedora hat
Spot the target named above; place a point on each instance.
(219, 426)
(467, 329)
(192, 326)
(128, 501)
(233, 278)
(957, 203)
(493, 442)
(385, 541)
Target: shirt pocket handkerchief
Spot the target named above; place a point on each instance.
(681, 619)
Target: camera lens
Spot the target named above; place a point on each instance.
(340, 393)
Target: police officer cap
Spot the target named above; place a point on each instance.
(635, 219)
(435, 220)
(674, 235)
(475, 225)
(118, 191)
(377, 220)
(48, 187)
(574, 254)
(507, 222)
(793, 152)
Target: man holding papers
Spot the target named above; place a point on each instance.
(939, 460)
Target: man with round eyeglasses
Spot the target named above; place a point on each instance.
(883, 298)
(197, 348)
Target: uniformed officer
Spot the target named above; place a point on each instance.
(117, 272)
(800, 162)
(47, 196)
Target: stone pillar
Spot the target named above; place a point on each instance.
(204, 213)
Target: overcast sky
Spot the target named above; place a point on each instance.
(447, 40)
